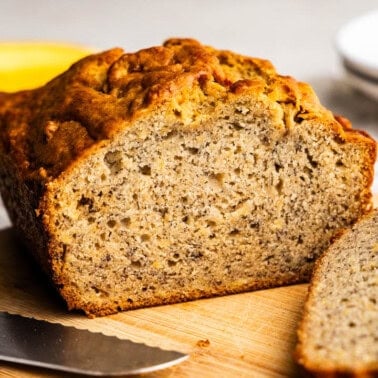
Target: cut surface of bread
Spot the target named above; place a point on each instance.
(175, 173)
(339, 331)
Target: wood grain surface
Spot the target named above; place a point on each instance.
(243, 335)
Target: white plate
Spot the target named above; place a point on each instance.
(357, 43)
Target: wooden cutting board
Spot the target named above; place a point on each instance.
(243, 335)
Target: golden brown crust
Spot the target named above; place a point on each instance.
(44, 141)
(118, 87)
(92, 310)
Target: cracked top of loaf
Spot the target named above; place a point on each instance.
(46, 129)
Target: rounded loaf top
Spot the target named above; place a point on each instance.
(46, 129)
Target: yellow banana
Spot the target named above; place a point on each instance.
(26, 65)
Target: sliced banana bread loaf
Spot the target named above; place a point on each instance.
(177, 172)
(339, 331)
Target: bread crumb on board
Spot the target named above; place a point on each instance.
(203, 343)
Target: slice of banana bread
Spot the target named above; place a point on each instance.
(177, 172)
(339, 331)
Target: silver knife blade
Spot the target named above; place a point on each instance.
(49, 345)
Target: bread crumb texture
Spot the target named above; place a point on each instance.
(339, 332)
(175, 173)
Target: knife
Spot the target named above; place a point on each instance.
(49, 345)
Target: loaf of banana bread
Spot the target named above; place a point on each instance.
(175, 173)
